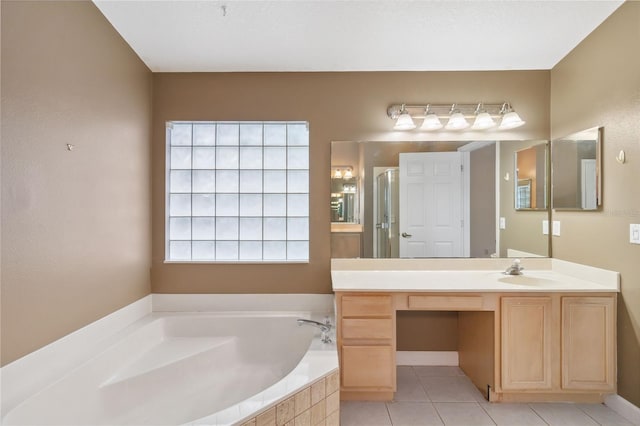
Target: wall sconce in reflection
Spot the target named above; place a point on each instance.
(342, 172)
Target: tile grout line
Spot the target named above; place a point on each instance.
(538, 414)
(386, 407)
(487, 413)
(590, 416)
(415, 374)
(425, 391)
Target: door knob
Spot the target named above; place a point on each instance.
(405, 235)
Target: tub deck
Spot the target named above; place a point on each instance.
(198, 368)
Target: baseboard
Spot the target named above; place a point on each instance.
(624, 408)
(448, 358)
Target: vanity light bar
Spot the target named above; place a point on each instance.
(483, 115)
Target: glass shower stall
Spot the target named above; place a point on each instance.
(387, 217)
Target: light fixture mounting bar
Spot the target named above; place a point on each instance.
(444, 110)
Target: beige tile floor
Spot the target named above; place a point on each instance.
(445, 396)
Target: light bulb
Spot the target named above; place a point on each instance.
(431, 122)
(457, 122)
(483, 121)
(404, 122)
(510, 120)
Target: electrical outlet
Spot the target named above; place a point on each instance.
(634, 233)
(545, 227)
(556, 228)
(503, 223)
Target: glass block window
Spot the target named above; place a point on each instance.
(237, 191)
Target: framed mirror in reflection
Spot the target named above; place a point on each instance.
(577, 171)
(531, 178)
(442, 199)
(344, 200)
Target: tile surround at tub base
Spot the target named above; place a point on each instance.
(316, 404)
(624, 408)
(427, 358)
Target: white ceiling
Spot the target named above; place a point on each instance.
(351, 35)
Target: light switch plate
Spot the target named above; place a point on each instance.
(545, 227)
(503, 223)
(634, 233)
(556, 228)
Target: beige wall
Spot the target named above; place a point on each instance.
(339, 106)
(426, 331)
(75, 224)
(482, 199)
(598, 84)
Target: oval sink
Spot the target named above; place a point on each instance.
(525, 280)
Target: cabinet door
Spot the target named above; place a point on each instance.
(526, 343)
(367, 367)
(588, 343)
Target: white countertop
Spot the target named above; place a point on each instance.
(428, 275)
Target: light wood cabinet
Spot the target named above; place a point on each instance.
(356, 306)
(521, 347)
(588, 343)
(346, 245)
(558, 344)
(367, 328)
(367, 367)
(366, 345)
(526, 343)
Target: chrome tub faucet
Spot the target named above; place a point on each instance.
(324, 327)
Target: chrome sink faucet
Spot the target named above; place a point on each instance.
(515, 268)
(324, 327)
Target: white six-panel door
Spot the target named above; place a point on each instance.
(431, 204)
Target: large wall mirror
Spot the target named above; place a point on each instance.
(446, 199)
(577, 171)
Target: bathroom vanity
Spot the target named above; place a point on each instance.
(547, 335)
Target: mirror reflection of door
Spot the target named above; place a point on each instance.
(431, 205)
(588, 184)
(523, 194)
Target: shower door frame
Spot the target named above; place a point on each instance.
(377, 170)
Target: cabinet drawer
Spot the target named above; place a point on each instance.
(367, 366)
(354, 328)
(446, 303)
(366, 306)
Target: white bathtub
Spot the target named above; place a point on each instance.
(184, 368)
